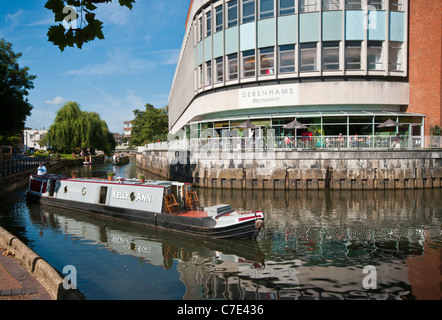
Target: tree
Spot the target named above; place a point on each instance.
(88, 29)
(74, 128)
(14, 85)
(149, 126)
(436, 130)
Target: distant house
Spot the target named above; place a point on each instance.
(118, 139)
(31, 140)
(127, 129)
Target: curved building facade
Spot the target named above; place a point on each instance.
(341, 65)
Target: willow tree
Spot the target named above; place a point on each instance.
(74, 128)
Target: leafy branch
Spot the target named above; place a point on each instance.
(89, 29)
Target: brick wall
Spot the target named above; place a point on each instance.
(425, 60)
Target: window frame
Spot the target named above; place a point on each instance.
(232, 60)
(286, 49)
(286, 10)
(326, 5)
(219, 21)
(371, 47)
(351, 46)
(268, 52)
(399, 47)
(248, 55)
(376, 4)
(219, 66)
(232, 12)
(398, 4)
(208, 23)
(328, 47)
(250, 17)
(306, 6)
(353, 4)
(266, 14)
(209, 74)
(305, 48)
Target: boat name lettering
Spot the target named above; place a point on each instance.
(75, 190)
(132, 196)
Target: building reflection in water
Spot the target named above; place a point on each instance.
(314, 246)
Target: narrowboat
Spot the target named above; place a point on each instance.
(120, 160)
(166, 205)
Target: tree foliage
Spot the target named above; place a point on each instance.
(149, 126)
(74, 128)
(87, 29)
(15, 82)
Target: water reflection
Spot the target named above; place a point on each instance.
(315, 246)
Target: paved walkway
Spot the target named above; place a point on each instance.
(16, 283)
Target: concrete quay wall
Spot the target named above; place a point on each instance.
(50, 278)
(304, 170)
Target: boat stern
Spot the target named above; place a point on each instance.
(243, 223)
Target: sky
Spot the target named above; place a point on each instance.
(134, 64)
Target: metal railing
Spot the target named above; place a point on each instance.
(19, 164)
(302, 143)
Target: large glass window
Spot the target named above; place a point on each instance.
(396, 5)
(309, 57)
(395, 56)
(218, 18)
(232, 13)
(287, 58)
(248, 63)
(329, 5)
(353, 55)
(208, 73)
(353, 4)
(208, 23)
(248, 11)
(232, 66)
(374, 55)
(219, 70)
(308, 5)
(330, 55)
(286, 7)
(266, 9)
(266, 61)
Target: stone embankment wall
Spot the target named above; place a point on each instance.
(304, 170)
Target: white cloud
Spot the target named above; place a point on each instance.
(113, 13)
(118, 62)
(56, 101)
(14, 18)
(171, 56)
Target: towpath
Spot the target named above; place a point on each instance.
(16, 283)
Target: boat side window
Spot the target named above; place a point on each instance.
(103, 194)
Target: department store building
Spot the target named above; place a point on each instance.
(341, 65)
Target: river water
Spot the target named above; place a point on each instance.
(315, 245)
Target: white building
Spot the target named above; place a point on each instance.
(338, 65)
(31, 140)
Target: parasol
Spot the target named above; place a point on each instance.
(246, 125)
(295, 124)
(388, 123)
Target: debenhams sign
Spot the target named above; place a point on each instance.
(279, 95)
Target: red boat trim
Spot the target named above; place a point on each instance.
(245, 219)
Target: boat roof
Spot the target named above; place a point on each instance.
(117, 180)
